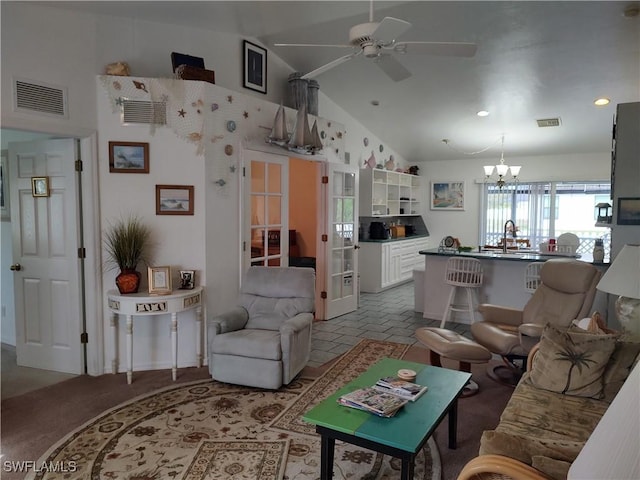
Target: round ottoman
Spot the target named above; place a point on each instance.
(449, 344)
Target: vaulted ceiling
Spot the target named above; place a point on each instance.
(534, 60)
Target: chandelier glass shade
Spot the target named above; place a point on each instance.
(502, 169)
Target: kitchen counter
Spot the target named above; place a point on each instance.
(503, 282)
(397, 239)
(512, 255)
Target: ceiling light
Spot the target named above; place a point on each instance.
(502, 169)
(483, 113)
(601, 101)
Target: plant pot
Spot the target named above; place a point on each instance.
(128, 281)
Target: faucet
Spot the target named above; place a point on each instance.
(513, 233)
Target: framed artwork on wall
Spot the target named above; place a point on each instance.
(629, 211)
(174, 199)
(128, 157)
(159, 280)
(447, 195)
(255, 67)
(40, 186)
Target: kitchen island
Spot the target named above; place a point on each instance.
(503, 282)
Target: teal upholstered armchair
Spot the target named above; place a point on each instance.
(266, 340)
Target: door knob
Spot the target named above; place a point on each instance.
(356, 247)
(16, 267)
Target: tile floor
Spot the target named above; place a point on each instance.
(387, 315)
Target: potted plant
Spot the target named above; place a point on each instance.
(127, 243)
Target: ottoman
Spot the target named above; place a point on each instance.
(449, 344)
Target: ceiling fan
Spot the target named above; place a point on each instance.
(378, 40)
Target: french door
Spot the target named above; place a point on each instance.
(338, 265)
(266, 230)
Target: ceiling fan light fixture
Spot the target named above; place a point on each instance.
(601, 102)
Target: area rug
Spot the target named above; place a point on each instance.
(209, 430)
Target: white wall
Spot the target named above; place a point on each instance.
(466, 225)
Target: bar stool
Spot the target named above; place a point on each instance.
(532, 276)
(462, 272)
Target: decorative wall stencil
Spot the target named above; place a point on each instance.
(231, 126)
(207, 108)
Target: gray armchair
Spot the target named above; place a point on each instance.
(265, 341)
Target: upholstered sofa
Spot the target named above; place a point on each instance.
(572, 378)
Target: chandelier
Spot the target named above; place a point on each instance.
(502, 169)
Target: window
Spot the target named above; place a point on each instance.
(544, 210)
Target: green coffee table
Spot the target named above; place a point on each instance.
(401, 436)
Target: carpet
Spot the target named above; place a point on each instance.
(209, 430)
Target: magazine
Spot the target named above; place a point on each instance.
(402, 388)
(371, 400)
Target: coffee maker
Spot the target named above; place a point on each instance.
(378, 231)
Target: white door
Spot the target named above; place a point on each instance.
(338, 259)
(266, 195)
(45, 254)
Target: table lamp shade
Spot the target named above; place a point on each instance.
(623, 278)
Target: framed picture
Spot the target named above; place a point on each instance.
(255, 67)
(629, 211)
(159, 280)
(40, 186)
(128, 157)
(187, 279)
(5, 213)
(447, 195)
(174, 199)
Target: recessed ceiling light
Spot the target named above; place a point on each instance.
(601, 101)
(483, 113)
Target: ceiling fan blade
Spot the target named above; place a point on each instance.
(448, 49)
(389, 29)
(392, 67)
(330, 65)
(309, 45)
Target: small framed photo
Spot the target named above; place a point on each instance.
(629, 211)
(174, 199)
(187, 279)
(128, 157)
(40, 186)
(447, 195)
(255, 67)
(159, 280)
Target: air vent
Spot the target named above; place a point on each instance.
(548, 122)
(137, 111)
(43, 98)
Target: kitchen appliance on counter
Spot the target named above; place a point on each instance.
(378, 231)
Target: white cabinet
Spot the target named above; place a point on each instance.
(385, 264)
(383, 192)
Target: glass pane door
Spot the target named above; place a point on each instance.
(268, 226)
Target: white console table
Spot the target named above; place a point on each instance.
(143, 304)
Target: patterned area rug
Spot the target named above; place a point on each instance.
(209, 430)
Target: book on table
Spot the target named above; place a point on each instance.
(402, 388)
(371, 400)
